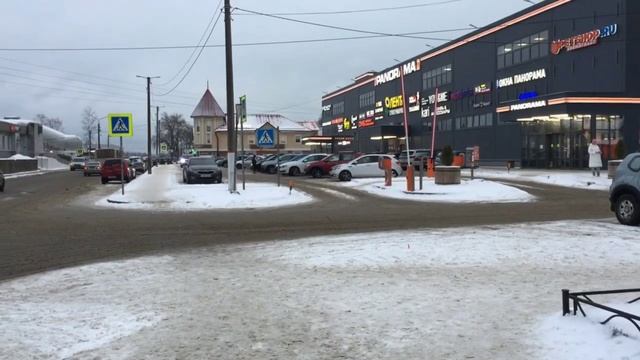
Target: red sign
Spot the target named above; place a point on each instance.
(366, 123)
(337, 121)
(576, 42)
(475, 156)
(13, 129)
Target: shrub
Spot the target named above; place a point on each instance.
(620, 151)
(447, 156)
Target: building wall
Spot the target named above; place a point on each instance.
(290, 141)
(606, 69)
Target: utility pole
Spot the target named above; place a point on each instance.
(98, 136)
(149, 162)
(158, 131)
(231, 134)
(89, 144)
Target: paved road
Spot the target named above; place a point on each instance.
(46, 221)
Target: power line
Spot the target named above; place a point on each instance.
(356, 11)
(194, 60)
(204, 33)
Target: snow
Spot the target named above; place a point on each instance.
(467, 192)
(566, 178)
(579, 338)
(163, 190)
(20, 157)
(50, 164)
(482, 293)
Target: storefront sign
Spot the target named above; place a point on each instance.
(346, 124)
(326, 108)
(414, 102)
(583, 40)
(393, 102)
(337, 121)
(482, 89)
(481, 104)
(370, 113)
(395, 74)
(457, 95)
(528, 95)
(442, 110)
(326, 123)
(443, 97)
(528, 105)
(522, 78)
(366, 123)
(397, 111)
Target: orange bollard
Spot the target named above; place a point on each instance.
(430, 169)
(411, 180)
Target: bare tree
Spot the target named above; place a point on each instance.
(176, 133)
(89, 123)
(54, 123)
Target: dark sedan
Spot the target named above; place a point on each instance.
(201, 169)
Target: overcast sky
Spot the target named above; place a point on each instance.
(288, 78)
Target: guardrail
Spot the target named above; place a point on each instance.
(579, 298)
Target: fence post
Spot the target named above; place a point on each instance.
(565, 302)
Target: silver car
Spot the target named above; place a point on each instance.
(624, 193)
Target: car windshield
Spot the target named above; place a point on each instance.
(202, 161)
(78, 159)
(299, 157)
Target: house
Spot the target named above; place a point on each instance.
(207, 117)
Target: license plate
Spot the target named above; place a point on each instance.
(206, 175)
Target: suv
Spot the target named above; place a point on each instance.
(323, 167)
(624, 193)
(77, 163)
(111, 170)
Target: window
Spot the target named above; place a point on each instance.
(367, 99)
(523, 50)
(298, 139)
(437, 77)
(197, 128)
(208, 128)
(338, 108)
(368, 160)
(634, 164)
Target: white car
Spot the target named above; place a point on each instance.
(296, 167)
(365, 166)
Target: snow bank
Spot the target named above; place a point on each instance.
(468, 191)
(50, 164)
(566, 178)
(164, 190)
(464, 293)
(20, 157)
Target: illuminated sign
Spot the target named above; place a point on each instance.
(326, 108)
(522, 78)
(528, 95)
(481, 104)
(442, 110)
(346, 124)
(414, 102)
(395, 74)
(370, 113)
(337, 121)
(366, 123)
(482, 89)
(326, 123)
(431, 99)
(393, 102)
(457, 95)
(583, 40)
(528, 105)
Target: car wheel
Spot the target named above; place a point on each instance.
(394, 173)
(188, 179)
(238, 166)
(345, 176)
(294, 171)
(628, 210)
(271, 169)
(126, 179)
(316, 173)
(104, 181)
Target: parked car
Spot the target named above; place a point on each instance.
(263, 159)
(77, 163)
(414, 156)
(1, 182)
(295, 167)
(323, 167)
(91, 167)
(183, 160)
(624, 193)
(365, 166)
(201, 169)
(270, 166)
(244, 161)
(138, 165)
(111, 170)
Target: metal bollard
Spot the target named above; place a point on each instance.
(565, 302)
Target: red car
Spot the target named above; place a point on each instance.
(323, 167)
(111, 171)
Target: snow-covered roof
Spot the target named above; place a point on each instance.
(255, 121)
(51, 136)
(208, 107)
(310, 125)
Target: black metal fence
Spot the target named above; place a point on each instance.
(583, 298)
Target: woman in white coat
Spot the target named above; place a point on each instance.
(595, 159)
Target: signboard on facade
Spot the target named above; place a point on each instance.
(482, 89)
(396, 73)
(528, 105)
(583, 40)
(522, 78)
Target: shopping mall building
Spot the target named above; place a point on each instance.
(536, 88)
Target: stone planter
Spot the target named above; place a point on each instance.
(447, 175)
(613, 167)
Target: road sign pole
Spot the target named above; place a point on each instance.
(244, 180)
(278, 153)
(121, 166)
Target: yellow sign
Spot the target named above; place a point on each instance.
(120, 125)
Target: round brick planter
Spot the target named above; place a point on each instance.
(447, 175)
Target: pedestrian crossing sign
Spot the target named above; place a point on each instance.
(120, 125)
(266, 136)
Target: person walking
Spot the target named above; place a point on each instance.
(254, 163)
(595, 158)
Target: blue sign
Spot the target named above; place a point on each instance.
(528, 95)
(120, 125)
(266, 138)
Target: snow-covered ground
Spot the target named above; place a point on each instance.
(164, 190)
(467, 192)
(465, 293)
(567, 178)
